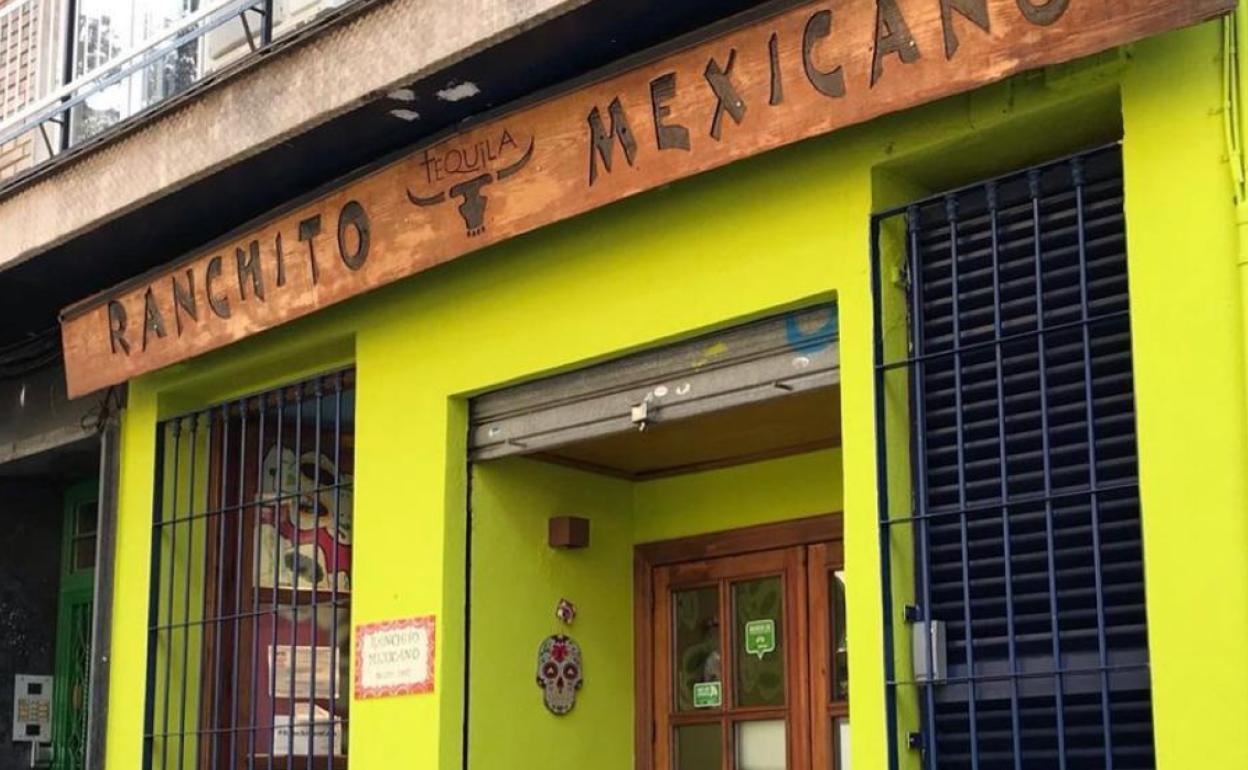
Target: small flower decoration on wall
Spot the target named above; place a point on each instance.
(566, 611)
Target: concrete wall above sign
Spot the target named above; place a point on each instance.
(807, 71)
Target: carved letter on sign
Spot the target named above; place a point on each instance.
(667, 136)
(728, 100)
(892, 35)
(975, 10)
(117, 327)
(804, 71)
(602, 143)
(184, 299)
(832, 82)
(353, 218)
(1045, 13)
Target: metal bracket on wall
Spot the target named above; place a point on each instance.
(640, 415)
(930, 659)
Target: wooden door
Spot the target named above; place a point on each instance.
(71, 696)
(829, 658)
(749, 662)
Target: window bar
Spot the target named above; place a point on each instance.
(1005, 484)
(1017, 337)
(232, 508)
(153, 602)
(266, 26)
(240, 521)
(70, 31)
(1019, 501)
(1076, 170)
(173, 545)
(316, 510)
(186, 592)
(219, 595)
(294, 588)
(1033, 183)
(333, 585)
(271, 684)
(254, 720)
(885, 532)
(951, 213)
(1032, 675)
(919, 399)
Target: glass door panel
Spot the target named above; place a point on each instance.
(700, 747)
(758, 620)
(762, 745)
(840, 737)
(829, 658)
(839, 646)
(698, 654)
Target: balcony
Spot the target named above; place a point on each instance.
(78, 72)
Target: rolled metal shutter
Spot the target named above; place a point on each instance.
(790, 353)
(1026, 502)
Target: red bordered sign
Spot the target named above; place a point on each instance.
(394, 657)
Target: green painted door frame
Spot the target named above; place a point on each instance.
(73, 626)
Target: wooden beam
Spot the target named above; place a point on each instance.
(807, 71)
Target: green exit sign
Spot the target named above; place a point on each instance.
(760, 637)
(707, 695)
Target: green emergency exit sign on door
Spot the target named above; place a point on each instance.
(760, 637)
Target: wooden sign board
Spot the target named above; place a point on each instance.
(812, 69)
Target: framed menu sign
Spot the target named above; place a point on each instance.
(394, 657)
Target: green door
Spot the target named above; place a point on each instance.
(73, 627)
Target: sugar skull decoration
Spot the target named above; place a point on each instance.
(559, 673)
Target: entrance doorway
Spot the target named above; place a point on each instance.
(737, 433)
(48, 573)
(742, 651)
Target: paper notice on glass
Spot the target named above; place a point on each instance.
(294, 734)
(301, 659)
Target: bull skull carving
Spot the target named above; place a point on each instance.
(472, 200)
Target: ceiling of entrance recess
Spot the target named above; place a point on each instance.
(791, 424)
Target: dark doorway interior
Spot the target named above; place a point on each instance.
(32, 511)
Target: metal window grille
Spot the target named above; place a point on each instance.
(250, 585)
(1014, 387)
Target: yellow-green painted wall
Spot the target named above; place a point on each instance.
(1190, 396)
(762, 235)
(730, 498)
(517, 583)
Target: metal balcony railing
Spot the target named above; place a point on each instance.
(71, 70)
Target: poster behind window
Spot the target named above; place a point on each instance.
(304, 552)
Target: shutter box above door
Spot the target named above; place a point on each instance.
(791, 354)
